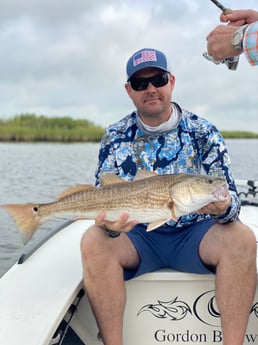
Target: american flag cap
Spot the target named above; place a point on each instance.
(146, 57)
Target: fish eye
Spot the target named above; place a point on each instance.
(210, 181)
(35, 209)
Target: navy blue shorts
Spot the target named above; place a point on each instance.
(169, 247)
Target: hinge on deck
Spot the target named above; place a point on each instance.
(59, 335)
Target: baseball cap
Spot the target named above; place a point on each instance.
(146, 57)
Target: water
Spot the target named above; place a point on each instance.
(39, 172)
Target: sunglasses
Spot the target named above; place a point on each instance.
(140, 84)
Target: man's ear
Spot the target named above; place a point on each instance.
(172, 81)
(128, 89)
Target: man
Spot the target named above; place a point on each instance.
(240, 36)
(162, 137)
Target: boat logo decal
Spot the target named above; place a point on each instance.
(204, 308)
(174, 310)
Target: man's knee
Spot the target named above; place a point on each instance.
(234, 241)
(248, 241)
(241, 242)
(90, 243)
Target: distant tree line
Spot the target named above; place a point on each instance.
(30, 127)
(239, 134)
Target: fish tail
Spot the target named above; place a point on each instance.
(26, 218)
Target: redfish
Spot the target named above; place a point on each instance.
(147, 199)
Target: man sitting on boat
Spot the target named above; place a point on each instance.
(160, 136)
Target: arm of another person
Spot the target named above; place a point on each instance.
(250, 43)
(219, 44)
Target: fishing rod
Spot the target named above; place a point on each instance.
(230, 62)
(224, 9)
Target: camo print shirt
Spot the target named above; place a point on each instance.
(193, 146)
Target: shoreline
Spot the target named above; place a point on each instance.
(33, 128)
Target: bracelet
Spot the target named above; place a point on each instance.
(110, 233)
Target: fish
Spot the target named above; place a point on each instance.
(149, 198)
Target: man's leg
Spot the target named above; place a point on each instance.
(103, 261)
(232, 249)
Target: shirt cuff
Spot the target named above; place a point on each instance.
(250, 43)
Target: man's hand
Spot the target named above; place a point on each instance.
(217, 208)
(121, 225)
(219, 44)
(239, 17)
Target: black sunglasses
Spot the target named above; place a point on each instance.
(140, 84)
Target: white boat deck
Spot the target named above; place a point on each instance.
(35, 295)
(42, 288)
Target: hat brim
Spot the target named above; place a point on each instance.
(147, 66)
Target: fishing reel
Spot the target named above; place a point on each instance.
(230, 62)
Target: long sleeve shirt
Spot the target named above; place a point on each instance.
(250, 43)
(194, 146)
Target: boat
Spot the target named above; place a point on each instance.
(43, 302)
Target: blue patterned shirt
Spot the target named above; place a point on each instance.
(193, 146)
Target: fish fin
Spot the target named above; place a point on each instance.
(26, 218)
(142, 174)
(110, 178)
(75, 189)
(156, 224)
(172, 208)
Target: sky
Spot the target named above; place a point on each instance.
(67, 58)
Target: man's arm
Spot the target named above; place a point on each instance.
(216, 162)
(219, 40)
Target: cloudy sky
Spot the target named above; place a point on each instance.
(68, 57)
